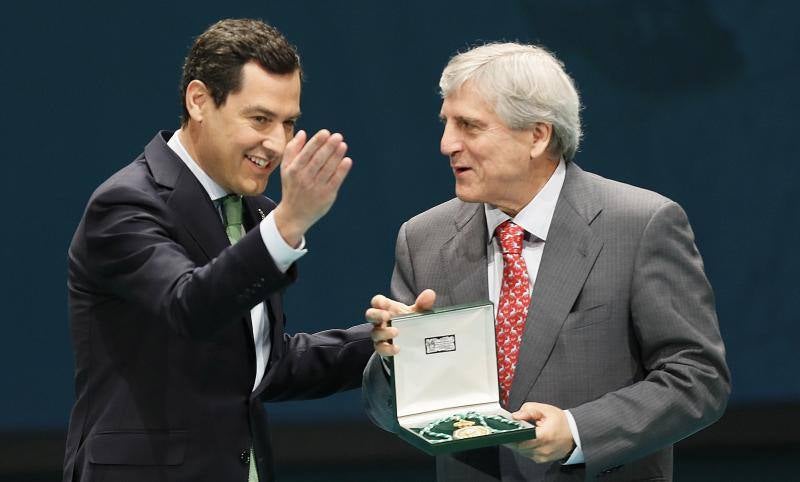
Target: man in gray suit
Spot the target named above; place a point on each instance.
(607, 333)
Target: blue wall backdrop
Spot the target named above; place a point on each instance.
(694, 99)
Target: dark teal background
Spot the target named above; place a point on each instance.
(694, 99)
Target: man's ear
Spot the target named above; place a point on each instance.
(197, 100)
(541, 133)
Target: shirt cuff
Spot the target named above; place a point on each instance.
(577, 454)
(282, 254)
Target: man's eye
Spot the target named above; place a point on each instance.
(260, 119)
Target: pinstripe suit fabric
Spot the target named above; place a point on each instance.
(622, 328)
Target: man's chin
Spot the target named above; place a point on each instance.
(252, 188)
(467, 196)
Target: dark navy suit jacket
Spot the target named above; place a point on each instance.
(164, 353)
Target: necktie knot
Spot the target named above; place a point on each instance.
(510, 237)
(232, 215)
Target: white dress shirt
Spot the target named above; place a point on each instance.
(535, 219)
(283, 254)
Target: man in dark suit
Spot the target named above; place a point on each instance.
(607, 336)
(177, 269)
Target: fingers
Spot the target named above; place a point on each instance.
(377, 316)
(327, 158)
(306, 152)
(526, 448)
(532, 453)
(327, 165)
(382, 334)
(530, 413)
(535, 449)
(385, 348)
(381, 302)
(393, 307)
(293, 148)
(424, 302)
(382, 337)
(553, 436)
(320, 157)
(381, 312)
(532, 444)
(335, 181)
(306, 174)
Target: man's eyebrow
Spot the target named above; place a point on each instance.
(466, 120)
(259, 110)
(255, 109)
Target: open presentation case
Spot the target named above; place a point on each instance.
(445, 381)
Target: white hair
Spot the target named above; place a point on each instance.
(526, 84)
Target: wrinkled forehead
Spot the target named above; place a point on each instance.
(467, 99)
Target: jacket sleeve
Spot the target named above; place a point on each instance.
(319, 364)
(132, 253)
(687, 381)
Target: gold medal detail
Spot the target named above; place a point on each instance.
(471, 431)
(461, 423)
(466, 425)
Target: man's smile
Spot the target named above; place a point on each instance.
(261, 162)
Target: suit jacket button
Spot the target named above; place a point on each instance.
(245, 456)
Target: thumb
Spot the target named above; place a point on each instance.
(425, 300)
(528, 412)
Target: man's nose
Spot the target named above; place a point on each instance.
(450, 143)
(275, 139)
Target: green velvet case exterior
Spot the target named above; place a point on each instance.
(451, 446)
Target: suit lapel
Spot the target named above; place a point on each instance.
(464, 260)
(188, 199)
(569, 254)
(256, 209)
(199, 215)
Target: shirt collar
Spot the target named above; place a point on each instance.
(536, 216)
(214, 190)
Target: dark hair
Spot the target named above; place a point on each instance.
(217, 56)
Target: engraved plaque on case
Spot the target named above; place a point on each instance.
(439, 344)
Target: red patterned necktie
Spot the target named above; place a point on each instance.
(515, 297)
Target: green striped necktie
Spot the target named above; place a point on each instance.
(232, 215)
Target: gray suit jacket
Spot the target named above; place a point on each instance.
(622, 329)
